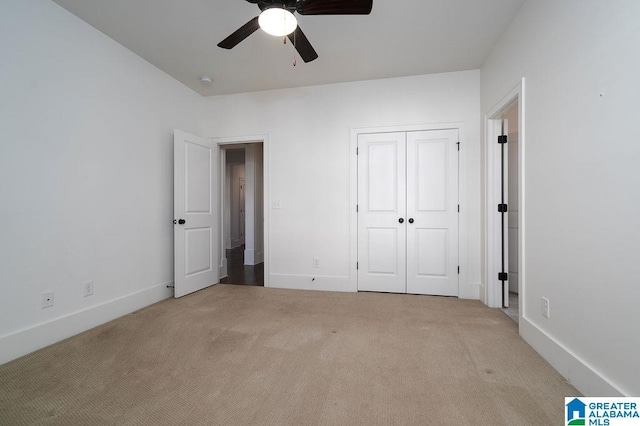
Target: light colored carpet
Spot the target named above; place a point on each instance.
(238, 355)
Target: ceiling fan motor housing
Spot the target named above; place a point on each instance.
(290, 5)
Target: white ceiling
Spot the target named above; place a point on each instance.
(399, 38)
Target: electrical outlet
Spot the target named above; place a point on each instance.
(47, 299)
(546, 308)
(276, 204)
(316, 262)
(87, 289)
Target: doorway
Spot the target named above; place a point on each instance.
(407, 204)
(510, 303)
(242, 212)
(504, 198)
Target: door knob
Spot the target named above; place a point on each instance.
(401, 220)
(410, 220)
(182, 221)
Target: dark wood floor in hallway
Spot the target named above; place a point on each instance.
(241, 274)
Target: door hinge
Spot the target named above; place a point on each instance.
(458, 269)
(357, 265)
(357, 151)
(502, 139)
(503, 276)
(502, 208)
(458, 208)
(458, 143)
(356, 208)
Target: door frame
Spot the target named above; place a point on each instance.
(491, 293)
(266, 200)
(242, 182)
(465, 291)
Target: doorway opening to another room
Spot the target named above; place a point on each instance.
(505, 205)
(242, 213)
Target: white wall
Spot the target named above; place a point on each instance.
(237, 228)
(86, 175)
(582, 151)
(235, 170)
(309, 159)
(254, 252)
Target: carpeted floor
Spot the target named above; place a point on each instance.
(238, 355)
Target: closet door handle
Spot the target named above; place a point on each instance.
(410, 220)
(401, 220)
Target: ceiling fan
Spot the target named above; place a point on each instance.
(277, 19)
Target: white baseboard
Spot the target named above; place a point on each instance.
(311, 282)
(581, 375)
(30, 339)
(342, 283)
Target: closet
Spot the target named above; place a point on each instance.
(408, 212)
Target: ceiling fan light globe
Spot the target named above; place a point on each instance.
(277, 21)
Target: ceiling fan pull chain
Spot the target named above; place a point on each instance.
(294, 48)
(284, 24)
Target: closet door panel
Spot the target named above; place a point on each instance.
(432, 212)
(381, 203)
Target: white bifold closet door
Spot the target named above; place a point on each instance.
(408, 212)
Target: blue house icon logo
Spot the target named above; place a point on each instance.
(576, 412)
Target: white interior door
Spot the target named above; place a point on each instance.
(195, 213)
(381, 212)
(408, 212)
(432, 212)
(504, 217)
(512, 191)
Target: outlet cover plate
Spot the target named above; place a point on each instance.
(546, 308)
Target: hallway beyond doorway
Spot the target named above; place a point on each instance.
(241, 274)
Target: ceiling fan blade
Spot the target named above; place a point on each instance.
(334, 7)
(304, 48)
(241, 33)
